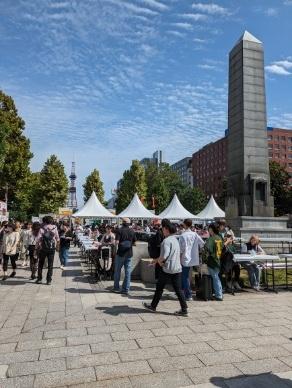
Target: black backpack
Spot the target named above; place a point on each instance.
(226, 261)
(154, 245)
(48, 240)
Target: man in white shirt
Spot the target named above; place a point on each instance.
(190, 244)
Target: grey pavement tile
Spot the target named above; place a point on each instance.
(9, 358)
(192, 348)
(235, 343)
(125, 369)
(171, 331)
(93, 360)
(17, 382)
(104, 347)
(108, 329)
(175, 363)
(134, 334)
(146, 325)
(65, 351)
(65, 333)
(158, 341)
(33, 323)
(41, 344)
(261, 366)
(89, 339)
(196, 337)
(287, 360)
(82, 324)
(222, 357)
(288, 346)
(35, 367)
(218, 372)
(243, 325)
(185, 322)
(116, 383)
(209, 328)
(48, 327)
(271, 330)
(150, 317)
(170, 379)
(142, 354)
(211, 320)
(25, 337)
(69, 377)
(270, 340)
(274, 322)
(243, 333)
(3, 371)
(7, 348)
(266, 351)
(55, 316)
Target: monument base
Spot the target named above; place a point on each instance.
(265, 227)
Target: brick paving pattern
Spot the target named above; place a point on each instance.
(77, 334)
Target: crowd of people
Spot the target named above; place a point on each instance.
(174, 248)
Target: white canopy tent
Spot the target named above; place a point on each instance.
(93, 209)
(136, 209)
(176, 211)
(211, 211)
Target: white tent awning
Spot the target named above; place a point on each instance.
(176, 211)
(136, 209)
(211, 211)
(93, 209)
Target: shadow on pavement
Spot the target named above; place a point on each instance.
(263, 380)
(117, 310)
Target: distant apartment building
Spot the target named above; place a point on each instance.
(184, 169)
(209, 164)
(155, 159)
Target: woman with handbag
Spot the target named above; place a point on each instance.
(169, 261)
(32, 251)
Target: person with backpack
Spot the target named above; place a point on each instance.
(47, 244)
(212, 255)
(125, 239)
(190, 244)
(169, 261)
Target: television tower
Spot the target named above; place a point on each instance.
(72, 199)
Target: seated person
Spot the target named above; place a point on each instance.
(108, 238)
(253, 269)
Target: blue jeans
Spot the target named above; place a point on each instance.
(63, 255)
(121, 262)
(186, 286)
(254, 273)
(214, 273)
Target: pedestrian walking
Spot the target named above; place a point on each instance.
(190, 244)
(66, 237)
(2, 231)
(48, 243)
(10, 249)
(169, 260)
(32, 248)
(125, 239)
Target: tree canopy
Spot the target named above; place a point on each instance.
(93, 183)
(133, 181)
(280, 189)
(53, 185)
(15, 151)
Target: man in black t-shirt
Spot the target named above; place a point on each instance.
(125, 239)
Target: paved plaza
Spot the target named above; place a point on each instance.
(76, 334)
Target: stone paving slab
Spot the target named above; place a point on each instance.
(74, 333)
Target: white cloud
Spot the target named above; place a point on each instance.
(276, 69)
(211, 8)
(184, 26)
(271, 12)
(176, 33)
(196, 17)
(288, 2)
(156, 4)
(199, 40)
(280, 67)
(207, 66)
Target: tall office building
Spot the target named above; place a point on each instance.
(184, 169)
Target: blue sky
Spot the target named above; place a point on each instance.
(108, 81)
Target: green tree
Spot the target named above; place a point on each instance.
(280, 189)
(193, 199)
(93, 183)
(54, 186)
(16, 151)
(133, 181)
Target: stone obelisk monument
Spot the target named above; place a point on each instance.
(249, 204)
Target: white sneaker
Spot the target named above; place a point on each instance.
(62, 267)
(236, 286)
